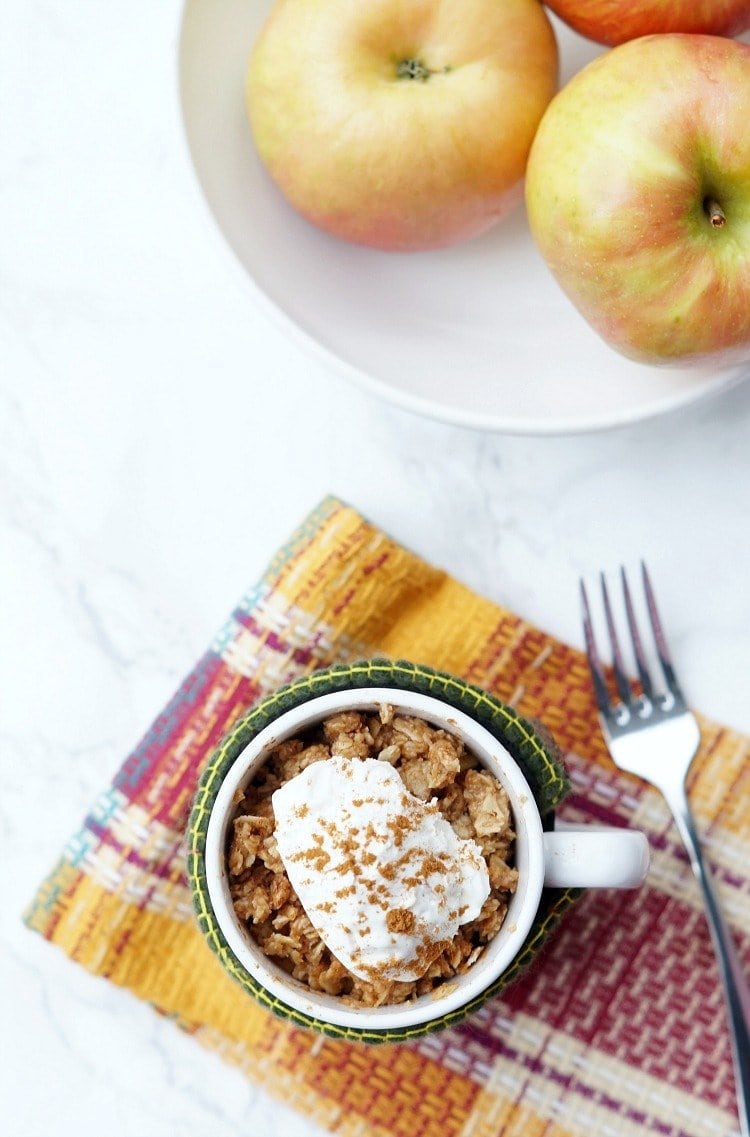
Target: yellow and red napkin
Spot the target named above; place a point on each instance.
(617, 1030)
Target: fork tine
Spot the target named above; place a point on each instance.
(659, 638)
(640, 658)
(621, 679)
(595, 663)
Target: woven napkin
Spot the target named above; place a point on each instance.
(618, 1029)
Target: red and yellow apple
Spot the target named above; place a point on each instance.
(400, 125)
(638, 196)
(615, 21)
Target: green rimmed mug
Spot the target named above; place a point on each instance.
(553, 863)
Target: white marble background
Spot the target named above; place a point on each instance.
(158, 439)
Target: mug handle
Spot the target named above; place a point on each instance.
(588, 856)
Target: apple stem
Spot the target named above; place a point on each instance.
(715, 213)
(416, 69)
(413, 69)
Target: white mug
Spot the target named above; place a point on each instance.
(566, 857)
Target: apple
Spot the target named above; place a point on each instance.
(400, 125)
(638, 197)
(615, 21)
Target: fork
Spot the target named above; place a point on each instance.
(652, 733)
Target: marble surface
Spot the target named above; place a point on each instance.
(158, 439)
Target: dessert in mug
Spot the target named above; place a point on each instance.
(371, 857)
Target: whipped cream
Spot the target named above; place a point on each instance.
(382, 875)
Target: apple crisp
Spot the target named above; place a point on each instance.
(435, 767)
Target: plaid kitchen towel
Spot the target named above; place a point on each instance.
(618, 1030)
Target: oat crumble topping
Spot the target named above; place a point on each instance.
(435, 767)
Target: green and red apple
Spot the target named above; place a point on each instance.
(401, 124)
(638, 196)
(615, 21)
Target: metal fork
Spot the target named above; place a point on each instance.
(652, 733)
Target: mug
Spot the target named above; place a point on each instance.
(560, 858)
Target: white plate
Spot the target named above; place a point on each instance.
(478, 334)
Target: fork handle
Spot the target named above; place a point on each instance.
(736, 989)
